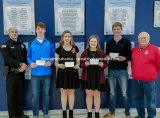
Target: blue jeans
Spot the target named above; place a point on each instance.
(143, 89)
(122, 77)
(36, 82)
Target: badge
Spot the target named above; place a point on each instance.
(146, 52)
(3, 46)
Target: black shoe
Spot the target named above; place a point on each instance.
(138, 117)
(89, 115)
(23, 116)
(70, 113)
(14, 117)
(65, 114)
(97, 115)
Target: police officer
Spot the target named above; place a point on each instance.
(15, 58)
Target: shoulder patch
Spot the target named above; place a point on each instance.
(22, 46)
(4, 46)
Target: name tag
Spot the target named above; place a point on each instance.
(40, 62)
(94, 61)
(69, 64)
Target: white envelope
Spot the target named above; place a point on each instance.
(40, 62)
(69, 64)
(114, 55)
(94, 61)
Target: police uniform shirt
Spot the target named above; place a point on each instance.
(14, 53)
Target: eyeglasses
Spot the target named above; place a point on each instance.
(143, 38)
(14, 32)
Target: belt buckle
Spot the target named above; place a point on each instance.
(16, 70)
(12, 69)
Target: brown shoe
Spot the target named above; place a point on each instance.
(128, 116)
(109, 115)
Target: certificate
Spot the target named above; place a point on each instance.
(40, 62)
(69, 15)
(156, 13)
(122, 11)
(114, 55)
(69, 64)
(19, 14)
(94, 61)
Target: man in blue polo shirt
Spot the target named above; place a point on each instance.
(40, 57)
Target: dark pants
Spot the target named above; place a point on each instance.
(14, 86)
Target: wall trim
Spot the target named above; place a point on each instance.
(76, 111)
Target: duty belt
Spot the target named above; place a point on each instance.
(15, 70)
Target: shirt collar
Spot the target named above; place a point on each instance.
(144, 47)
(12, 41)
(36, 40)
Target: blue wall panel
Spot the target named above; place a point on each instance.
(94, 20)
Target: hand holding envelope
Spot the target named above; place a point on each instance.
(48, 63)
(101, 64)
(121, 58)
(76, 66)
(69, 64)
(114, 56)
(40, 62)
(94, 61)
(33, 65)
(87, 63)
(62, 66)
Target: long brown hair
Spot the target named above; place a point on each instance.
(72, 43)
(98, 45)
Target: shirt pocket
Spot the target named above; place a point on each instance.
(13, 52)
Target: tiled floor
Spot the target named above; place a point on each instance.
(82, 114)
